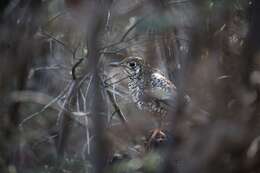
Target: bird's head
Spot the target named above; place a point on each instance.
(132, 65)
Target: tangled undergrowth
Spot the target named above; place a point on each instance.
(64, 109)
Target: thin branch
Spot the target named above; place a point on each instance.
(67, 98)
(58, 41)
(122, 40)
(83, 79)
(111, 117)
(111, 53)
(54, 18)
(37, 113)
(44, 140)
(141, 41)
(33, 70)
(131, 28)
(63, 121)
(78, 102)
(73, 70)
(84, 100)
(116, 107)
(117, 43)
(108, 19)
(120, 114)
(179, 1)
(44, 108)
(118, 92)
(88, 87)
(86, 121)
(111, 77)
(73, 52)
(113, 83)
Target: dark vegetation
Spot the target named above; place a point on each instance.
(63, 109)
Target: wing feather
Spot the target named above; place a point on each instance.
(161, 89)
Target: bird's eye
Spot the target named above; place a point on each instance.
(132, 64)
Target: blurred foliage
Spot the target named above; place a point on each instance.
(46, 86)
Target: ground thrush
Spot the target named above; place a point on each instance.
(149, 88)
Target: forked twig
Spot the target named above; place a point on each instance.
(111, 77)
(116, 107)
(44, 108)
(111, 84)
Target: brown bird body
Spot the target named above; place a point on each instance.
(149, 88)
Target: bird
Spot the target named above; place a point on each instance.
(149, 89)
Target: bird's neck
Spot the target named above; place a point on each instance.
(136, 86)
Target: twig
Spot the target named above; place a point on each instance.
(33, 70)
(111, 77)
(118, 81)
(135, 43)
(53, 18)
(108, 85)
(122, 40)
(86, 121)
(73, 52)
(87, 134)
(111, 53)
(44, 140)
(88, 87)
(126, 34)
(108, 19)
(131, 28)
(116, 43)
(73, 70)
(78, 102)
(111, 117)
(58, 41)
(120, 114)
(179, 1)
(67, 98)
(44, 108)
(82, 80)
(150, 39)
(118, 92)
(63, 121)
(46, 68)
(116, 107)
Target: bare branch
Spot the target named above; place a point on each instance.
(58, 41)
(73, 71)
(44, 108)
(116, 107)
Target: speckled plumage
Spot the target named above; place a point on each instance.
(150, 89)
